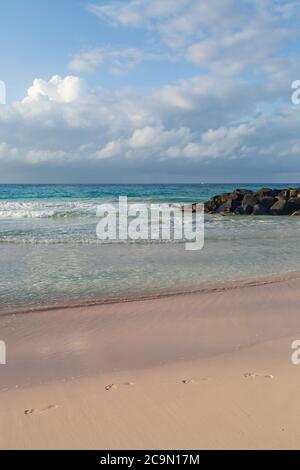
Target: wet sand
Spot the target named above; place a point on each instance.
(207, 369)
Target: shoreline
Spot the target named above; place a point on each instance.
(166, 293)
(177, 326)
(173, 366)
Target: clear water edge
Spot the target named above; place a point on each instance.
(49, 253)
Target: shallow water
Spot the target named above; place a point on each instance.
(49, 252)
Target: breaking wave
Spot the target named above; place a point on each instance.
(45, 210)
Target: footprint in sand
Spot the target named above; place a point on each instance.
(32, 411)
(188, 381)
(111, 387)
(254, 375)
(115, 386)
(192, 381)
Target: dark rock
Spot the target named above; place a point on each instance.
(287, 193)
(248, 209)
(229, 206)
(235, 196)
(249, 201)
(224, 197)
(279, 208)
(239, 210)
(234, 204)
(259, 209)
(267, 201)
(210, 206)
(240, 193)
(264, 192)
(216, 199)
(293, 204)
(295, 192)
(223, 208)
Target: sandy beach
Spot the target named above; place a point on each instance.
(149, 226)
(202, 370)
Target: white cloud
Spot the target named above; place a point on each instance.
(233, 109)
(42, 156)
(111, 149)
(88, 60)
(137, 12)
(142, 138)
(206, 119)
(117, 61)
(60, 90)
(224, 142)
(226, 37)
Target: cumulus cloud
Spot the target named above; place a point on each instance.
(192, 122)
(60, 90)
(233, 113)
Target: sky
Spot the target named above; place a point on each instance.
(149, 91)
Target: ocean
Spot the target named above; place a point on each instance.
(50, 254)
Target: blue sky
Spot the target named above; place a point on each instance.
(43, 36)
(149, 91)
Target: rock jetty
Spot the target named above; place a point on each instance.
(266, 201)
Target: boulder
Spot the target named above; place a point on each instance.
(236, 196)
(279, 208)
(240, 193)
(224, 197)
(295, 192)
(223, 208)
(267, 201)
(239, 210)
(267, 192)
(210, 206)
(293, 205)
(259, 209)
(285, 193)
(249, 201)
(229, 206)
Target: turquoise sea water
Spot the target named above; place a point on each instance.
(49, 252)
